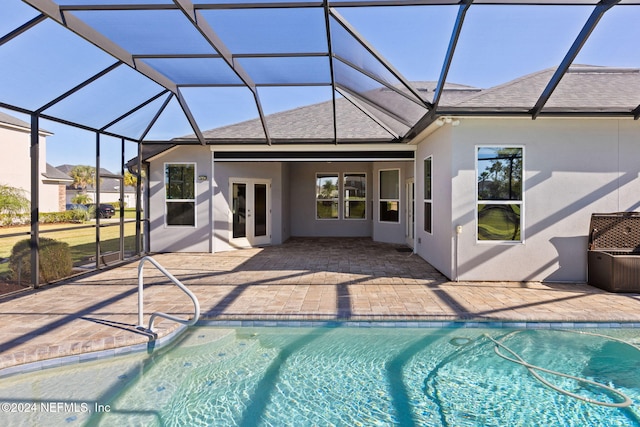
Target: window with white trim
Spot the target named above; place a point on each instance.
(428, 201)
(499, 193)
(327, 196)
(354, 187)
(389, 180)
(180, 194)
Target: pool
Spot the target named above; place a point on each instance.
(346, 376)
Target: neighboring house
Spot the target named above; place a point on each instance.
(479, 197)
(15, 164)
(109, 189)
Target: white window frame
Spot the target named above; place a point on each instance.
(339, 189)
(520, 202)
(429, 200)
(381, 200)
(345, 200)
(195, 195)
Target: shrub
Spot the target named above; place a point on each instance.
(55, 260)
(7, 220)
(13, 200)
(74, 215)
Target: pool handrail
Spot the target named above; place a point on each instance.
(194, 299)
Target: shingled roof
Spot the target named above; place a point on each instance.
(314, 123)
(15, 122)
(10, 120)
(584, 89)
(54, 174)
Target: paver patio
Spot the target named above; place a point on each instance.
(303, 279)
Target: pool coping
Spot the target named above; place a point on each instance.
(171, 337)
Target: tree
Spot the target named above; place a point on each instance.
(82, 199)
(83, 176)
(13, 200)
(502, 177)
(130, 180)
(329, 189)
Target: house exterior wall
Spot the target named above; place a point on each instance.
(302, 211)
(387, 232)
(285, 220)
(15, 165)
(436, 247)
(164, 238)
(292, 197)
(572, 168)
(223, 172)
(50, 197)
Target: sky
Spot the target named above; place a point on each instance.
(497, 44)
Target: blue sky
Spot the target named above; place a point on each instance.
(497, 44)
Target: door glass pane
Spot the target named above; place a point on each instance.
(239, 210)
(260, 208)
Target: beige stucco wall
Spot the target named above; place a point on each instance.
(164, 238)
(302, 190)
(436, 247)
(573, 168)
(268, 171)
(15, 165)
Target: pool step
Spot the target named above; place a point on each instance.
(195, 365)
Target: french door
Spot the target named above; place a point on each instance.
(250, 212)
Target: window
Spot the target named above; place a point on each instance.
(355, 195)
(499, 193)
(427, 195)
(327, 196)
(180, 193)
(389, 195)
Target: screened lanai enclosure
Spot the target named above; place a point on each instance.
(110, 83)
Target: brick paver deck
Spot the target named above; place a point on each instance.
(303, 279)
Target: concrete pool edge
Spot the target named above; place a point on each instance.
(72, 359)
(269, 321)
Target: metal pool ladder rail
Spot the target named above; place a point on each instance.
(196, 304)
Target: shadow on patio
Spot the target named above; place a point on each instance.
(303, 279)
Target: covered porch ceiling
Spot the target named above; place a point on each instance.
(159, 71)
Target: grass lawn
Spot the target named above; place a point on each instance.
(80, 240)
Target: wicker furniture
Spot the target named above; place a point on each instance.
(614, 251)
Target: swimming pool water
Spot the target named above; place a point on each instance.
(346, 377)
